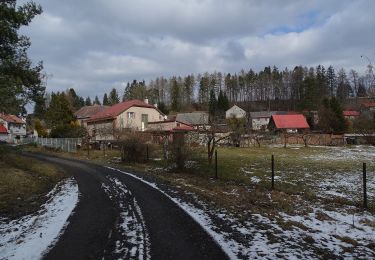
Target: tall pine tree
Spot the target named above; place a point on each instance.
(20, 81)
(105, 100)
(113, 98)
(212, 104)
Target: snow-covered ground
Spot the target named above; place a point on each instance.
(31, 236)
(360, 153)
(132, 238)
(319, 234)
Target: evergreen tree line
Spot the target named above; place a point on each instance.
(302, 87)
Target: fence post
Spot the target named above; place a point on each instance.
(272, 171)
(216, 176)
(88, 148)
(364, 187)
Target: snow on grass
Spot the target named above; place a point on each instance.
(134, 241)
(338, 231)
(359, 152)
(31, 236)
(318, 234)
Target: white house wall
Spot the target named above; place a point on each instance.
(236, 112)
(122, 120)
(260, 123)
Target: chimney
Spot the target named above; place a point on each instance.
(146, 100)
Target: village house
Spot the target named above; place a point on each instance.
(132, 114)
(4, 135)
(368, 106)
(288, 123)
(169, 126)
(198, 120)
(15, 126)
(86, 112)
(350, 115)
(259, 120)
(236, 112)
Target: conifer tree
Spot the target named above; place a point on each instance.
(105, 100)
(113, 98)
(212, 104)
(20, 81)
(88, 101)
(96, 101)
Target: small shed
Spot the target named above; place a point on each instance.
(196, 119)
(235, 111)
(288, 123)
(169, 125)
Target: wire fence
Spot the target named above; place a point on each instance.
(64, 144)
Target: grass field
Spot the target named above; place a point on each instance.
(24, 183)
(329, 175)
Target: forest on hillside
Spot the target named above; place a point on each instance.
(300, 89)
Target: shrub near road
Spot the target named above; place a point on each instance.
(24, 182)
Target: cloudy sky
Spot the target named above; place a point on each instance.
(99, 44)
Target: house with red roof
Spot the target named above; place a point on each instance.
(133, 114)
(288, 123)
(368, 106)
(15, 126)
(4, 135)
(86, 112)
(351, 114)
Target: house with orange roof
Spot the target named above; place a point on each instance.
(15, 126)
(288, 123)
(133, 114)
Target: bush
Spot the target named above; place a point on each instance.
(179, 152)
(134, 148)
(68, 131)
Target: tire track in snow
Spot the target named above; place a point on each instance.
(130, 237)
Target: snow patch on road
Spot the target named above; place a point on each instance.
(32, 236)
(134, 241)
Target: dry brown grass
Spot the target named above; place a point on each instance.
(24, 183)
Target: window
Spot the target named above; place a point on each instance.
(131, 115)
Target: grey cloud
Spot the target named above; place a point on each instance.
(97, 45)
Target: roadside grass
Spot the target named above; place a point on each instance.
(24, 182)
